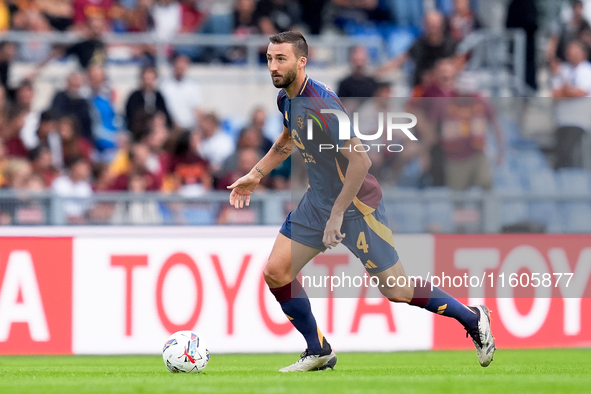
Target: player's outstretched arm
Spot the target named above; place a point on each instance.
(359, 164)
(243, 187)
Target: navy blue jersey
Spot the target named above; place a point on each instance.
(326, 167)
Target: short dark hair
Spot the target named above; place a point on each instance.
(300, 46)
(47, 116)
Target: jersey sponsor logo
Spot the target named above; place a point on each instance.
(300, 123)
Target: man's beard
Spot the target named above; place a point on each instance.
(287, 79)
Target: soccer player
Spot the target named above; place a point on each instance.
(342, 205)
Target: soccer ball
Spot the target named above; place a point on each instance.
(185, 352)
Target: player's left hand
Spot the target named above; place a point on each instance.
(332, 232)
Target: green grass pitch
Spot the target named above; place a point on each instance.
(513, 371)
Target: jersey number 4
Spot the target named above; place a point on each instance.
(362, 243)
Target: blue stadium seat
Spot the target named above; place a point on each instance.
(513, 212)
(573, 180)
(576, 216)
(506, 179)
(439, 212)
(199, 216)
(406, 215)
(410, 176)
(233, 125)
(400, 39)
(543, 183)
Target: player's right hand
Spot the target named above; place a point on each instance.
(242, 189)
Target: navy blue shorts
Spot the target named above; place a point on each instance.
(369, 238)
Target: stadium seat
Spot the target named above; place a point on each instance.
(233, 125)
(576, 216)
(506, 179)
(439, 210)
(400, 39)
(573, 180)
(543, 183)
(407, 214)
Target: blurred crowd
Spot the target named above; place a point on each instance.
(167, 18)
(163, 140)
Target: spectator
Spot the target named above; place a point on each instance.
(523, 14)
(70, 102)
(138, 161)
(244, 158)
(182, 95)
(387, 166)
(359, 83)
(15, 120)
(3, 164)
(351, 14)
(73, 144)
(24, 99)
(192, 15)
(585, 39)
(190, 171)
(462, 22)
(461, 123)
(274, 16)
(443, 80)
(249, 138)
(138, 212)
(48, 136)
(571, 86)
(120, 163)
(104, 118)
(257, 122)
(158, 160)
(76, 188)
(4, 16)
(565, 34)
(146, 100)
(247, 159)
(215, 145)
(245, 24)
(88, 51)
(17, 173)
(59, 13)
(35, 51)
(40, 158)
(428, 49)
(19, 177)
(167, 16)
(441, 85)
(7, 54)
(140, 18)
(88, 9)
(313, 12)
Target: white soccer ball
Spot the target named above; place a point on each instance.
(185, 352)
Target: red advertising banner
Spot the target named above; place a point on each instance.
(538, 287)
(35, 295)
